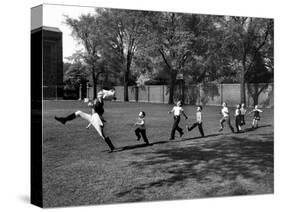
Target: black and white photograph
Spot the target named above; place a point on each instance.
(135, 105)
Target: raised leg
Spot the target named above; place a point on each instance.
(63, 120)
(193, 126)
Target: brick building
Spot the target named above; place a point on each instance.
(50, 39)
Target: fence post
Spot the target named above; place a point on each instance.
(163, 93)
(80, 92)
(88, 89)
(148, 93)
(199, 94)
(247, 95)
(136, 93)
(221, 91)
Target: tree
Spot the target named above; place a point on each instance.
(172, 42)
(258, 74)
(123, 34)
(245, 39)
(188, 45)
(86, 29)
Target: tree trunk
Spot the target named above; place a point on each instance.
(126, 85)
(242, 85)
(182, 91)
(126, 76)
(94, 85)
(172, 87)
(255, 94)
(256, 100)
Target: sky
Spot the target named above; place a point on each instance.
(53, 16)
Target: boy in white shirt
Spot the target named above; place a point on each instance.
(225, 117)
(177, 111)
(198, 121)
(141, 130)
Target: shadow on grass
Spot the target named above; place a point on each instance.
(131, 147)
(120, 149)
(223, 159)
(159, 142)
(200, 137)
(253, 129)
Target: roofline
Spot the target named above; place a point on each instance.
(47, 28)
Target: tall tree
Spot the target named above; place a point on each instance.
(187, 45)
(86, 29)
(123, 33)
(172, 42)
(259, 78)
(245, 39)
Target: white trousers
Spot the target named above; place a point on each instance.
(93, 119)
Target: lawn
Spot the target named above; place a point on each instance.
(79, 170)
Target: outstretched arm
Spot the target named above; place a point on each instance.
(251, 111)
(171, 111)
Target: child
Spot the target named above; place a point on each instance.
(243, 113)
(238, 118)
(225, 117)
(93, 119)
(198, 121)
(141, 130)
(177, 110)
(257, 117)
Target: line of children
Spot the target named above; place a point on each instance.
(177, 111)
(97, 120)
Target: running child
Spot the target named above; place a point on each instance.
(243, 113)
(257, 117)
(177, 111)
(93, 119)
(141, 129)
(238, 118)
(225, 117)
(198, 121)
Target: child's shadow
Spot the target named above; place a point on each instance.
(139, 146)
(252, 129)
(132, 147)
(200, 137)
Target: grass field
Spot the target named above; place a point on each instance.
(78, 170)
